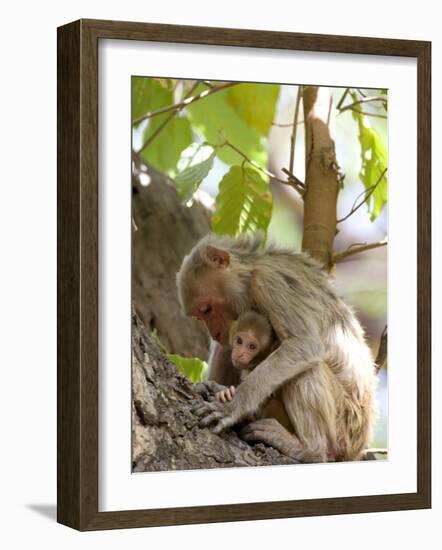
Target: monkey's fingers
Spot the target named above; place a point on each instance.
(208, 389)
(222, 396)
(254, 434)
(203, 409)
(202, 390)
(228, 396)
(259, 429)
(210, 419)
(223, 423)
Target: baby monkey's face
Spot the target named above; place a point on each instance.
(245, 347)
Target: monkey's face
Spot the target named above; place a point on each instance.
(207, 293)
(245, 348)
(211, 306)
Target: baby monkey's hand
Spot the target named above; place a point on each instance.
(227, 394)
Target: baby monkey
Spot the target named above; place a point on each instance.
(252, 340)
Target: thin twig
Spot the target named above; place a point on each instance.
(341, 101)
(382, 351)
(354, 249)
(376, 451)
(295, 127)
(298, 185)
(289, 124)
(166, 121)
(294, 185)
(249, 160)
(366, 113)
(367, 192)
(364, 100)
(185, 103)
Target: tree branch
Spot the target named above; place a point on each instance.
(288, 124)
(362, 101)
(341, 101)
(184, 103)
(293, 181)
(323, 179)
(356, 249)
(369, 454)
(366, 113)
(295, 127)
(382, 351)
(367, 192)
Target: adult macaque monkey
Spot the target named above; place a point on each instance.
(322, 366)
(252, 339)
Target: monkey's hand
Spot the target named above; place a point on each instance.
(227, 394)
(209, 389)
(220, 415)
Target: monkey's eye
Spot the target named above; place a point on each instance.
(252, 347)
(205, 309)
(239, 340)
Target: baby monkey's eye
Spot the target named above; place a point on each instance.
(252, 347)
(239, 340)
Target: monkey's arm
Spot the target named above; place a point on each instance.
(221, 369)
(291, 359)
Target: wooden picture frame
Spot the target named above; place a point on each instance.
(77, 225)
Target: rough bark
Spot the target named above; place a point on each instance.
(164, 231)
(322, 175)
(165, 432)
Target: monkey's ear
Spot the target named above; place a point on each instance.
(217, 257)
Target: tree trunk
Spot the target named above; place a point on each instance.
(164, 231)
(322, 175)
(165, 432)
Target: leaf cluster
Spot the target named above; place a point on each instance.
(186, 139)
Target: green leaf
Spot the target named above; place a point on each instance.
(151, 94)
(195, 369)
(384, 103)
(216, 120)
(193, 166)
(165, 149)
(244, 202)
(148, 95)
(374, 162)
(255, 104)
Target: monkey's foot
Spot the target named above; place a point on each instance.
(272, 433)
